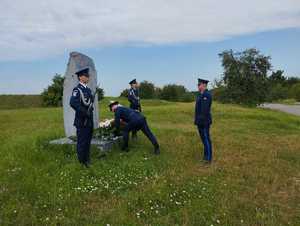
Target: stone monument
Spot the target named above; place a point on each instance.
(78, 61)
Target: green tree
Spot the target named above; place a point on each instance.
(292, 81)
(277, 89)
(124, 93)
(277, 77)
(52, 95)
(173, 92)
(147, 90)
(295, 91)
(245, 76)
(100, 93)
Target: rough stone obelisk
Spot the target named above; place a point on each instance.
(78, 61)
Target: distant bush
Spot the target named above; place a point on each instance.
(147, 90)
(124, 93)
(277, 92)
(173, 92)
(52, 95)
(100, 93)
(219, 94)
(188, 97)
(295, 91)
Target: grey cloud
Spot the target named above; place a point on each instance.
(33, 29)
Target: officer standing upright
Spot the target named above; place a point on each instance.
(134, 121)
(203, 119)
(134, 100)
(82, 102)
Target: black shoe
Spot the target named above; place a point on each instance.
(157, 151)
(87, 165)
(206, 162)
(125, 148)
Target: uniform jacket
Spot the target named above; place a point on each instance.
(128, 115)
(203, 109)
(83, 118)
(133, 98)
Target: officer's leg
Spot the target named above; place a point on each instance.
(134, 131)
(145, 129)
(134, 134)
(80, 145)
(89, 135)
(208, 144)
(126, 137)
(201, 133)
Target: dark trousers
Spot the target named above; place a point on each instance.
(205, 137)
(84, 137)
(136, 126)
(136, 108)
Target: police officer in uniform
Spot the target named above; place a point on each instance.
(82, 102)
(203, 118)
(133, 96)
(134, 121)
(134, 100)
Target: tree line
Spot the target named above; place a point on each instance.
(248, 78)
(170, 92)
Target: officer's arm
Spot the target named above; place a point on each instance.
(197, 106)
(210, 102)
(208, 105)
(117, 119)
(75, 102)
(130, 96)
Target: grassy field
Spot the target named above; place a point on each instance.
(20, 101)
(254, 180)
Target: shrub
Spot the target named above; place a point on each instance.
(295, 91)
(173, 92)
(52, 96)
(147, 90)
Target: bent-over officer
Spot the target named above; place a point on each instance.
(135, 121)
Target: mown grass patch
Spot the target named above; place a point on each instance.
(254, 179)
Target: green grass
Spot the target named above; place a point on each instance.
(20, 101)
(254, 179)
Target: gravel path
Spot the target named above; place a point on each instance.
(291, 109)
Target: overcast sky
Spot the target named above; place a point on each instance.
(40, 34)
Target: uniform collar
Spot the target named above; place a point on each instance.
(82, 84)
(203, 92)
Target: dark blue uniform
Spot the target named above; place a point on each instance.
(135, 121)
(203, 120)
(80, 100)
(133, 98)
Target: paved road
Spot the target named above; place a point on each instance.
(291, 109)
